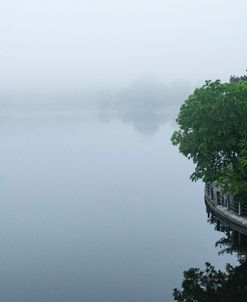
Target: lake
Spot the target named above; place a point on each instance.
(98, 208)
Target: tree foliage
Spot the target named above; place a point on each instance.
(213, 133)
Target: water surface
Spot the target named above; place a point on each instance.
(97, 210)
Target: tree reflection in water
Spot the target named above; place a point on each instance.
(209, 284)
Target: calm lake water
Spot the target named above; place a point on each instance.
(95, 209)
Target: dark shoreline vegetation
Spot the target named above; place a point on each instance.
(212, 285)
(213, 133)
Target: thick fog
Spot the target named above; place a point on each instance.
(69, 45)
(96, 203)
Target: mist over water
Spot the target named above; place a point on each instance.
(146, 104)
(97, 206)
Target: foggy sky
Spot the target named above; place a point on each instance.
(53, 45)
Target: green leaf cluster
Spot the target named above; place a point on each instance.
(213, 133)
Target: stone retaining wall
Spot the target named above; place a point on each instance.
(224, 207)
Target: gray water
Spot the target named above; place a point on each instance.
(96, 209)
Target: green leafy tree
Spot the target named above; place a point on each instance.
(213, 133)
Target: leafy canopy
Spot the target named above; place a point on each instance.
(213, 133)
